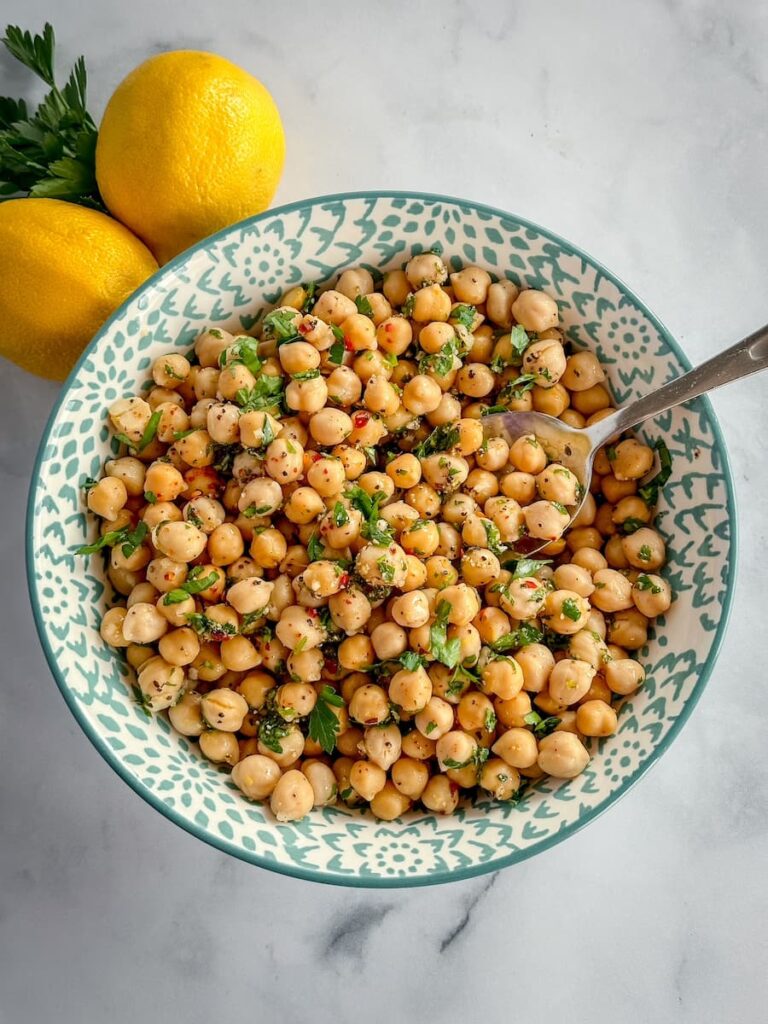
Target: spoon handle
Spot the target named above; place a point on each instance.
(742, 359)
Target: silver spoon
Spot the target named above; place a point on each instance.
(575, 448)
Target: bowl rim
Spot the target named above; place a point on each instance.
(356, 881)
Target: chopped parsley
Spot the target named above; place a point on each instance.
(193, 585)
(650, 492)
(266, 393)
(210, 629)
(369, 507)
(407, 307)
(309, 299)
(518, 387)
(442, 438)
(541, 726)
(644, 582)
(128, 539)
(631, 524)
(323, 722)
(339, 514)
(441, 648)
(315, 549)
(560, 507)
(440, 363)
(272, 729)
(522, 636)
(386, 569)
(244, 350)
(280, 325)
(489, 721)
(411, 660)
(430, 727)
(464, 314)
(364, 306)
(147, 437)
(570, 609)
(150, 497)
(526, 567)
(519, 342)
(493, 537)
(644, 554)
(306, 375)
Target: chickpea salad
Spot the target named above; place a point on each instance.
(312, 546)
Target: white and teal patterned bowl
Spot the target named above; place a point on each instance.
(223, 281)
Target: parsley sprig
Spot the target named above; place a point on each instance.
(128, 539)
(442, 439)
(194, 585)
(150, 432)
(650, 492)
(323, 722)
(369, 507)
(522, 636)
(49, 153)
(441, 648)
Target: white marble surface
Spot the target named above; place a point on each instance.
(638, 131)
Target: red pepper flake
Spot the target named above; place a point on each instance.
(389, 328)
(360, 419)
(530, 584)
(312, 613)
(316, 456)
(331, 665)
(304, 328)
(343, 579)
(349, 345)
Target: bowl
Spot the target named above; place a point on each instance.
(223, 281)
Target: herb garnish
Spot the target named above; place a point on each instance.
(128, 539)
(369, 507)
(323, 722)
(364, 306)
(442, 439)
(147, 437)
(464, 314)
(650, 492)
(522, 636)
(570, 609)
(441, 648)
(193, 585)
(541, 726)
(644, 582)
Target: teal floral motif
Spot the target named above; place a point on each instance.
(225, 280)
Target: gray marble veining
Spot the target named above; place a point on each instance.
(638, 131)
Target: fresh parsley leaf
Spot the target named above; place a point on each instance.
(309, 301)
(440, 363)
(541, 726)
(560, 507)
(570, 609)
(632, 524)
(146, 438)
(386, 569)
(369, 507)
(519, 339)
(364, 306)
(128, 539)
(522, 636)
(193, 585)
(406, 309)
(650, 492)
(267, 393)
(644, 554)
(411, 660)
(526, 566)
(336, 351)
(610, 453)
(306, 375)
(644, 582)
(489, 721)
(150, 497)
(339, 514)
(272, 729)
(256, 510)
(491, 410)
(315, 549)
(440, 647)
(323, 722)
(464, 314)
(243, 350)
(50, 153)
(442, 439)
(518, 387)
(88, 483)
(210, 629)
(431, 726)
(493, 537)
(280, 325)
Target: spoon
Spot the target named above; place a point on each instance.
(575, 447)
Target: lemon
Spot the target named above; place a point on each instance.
(63, 270)
(189, 143)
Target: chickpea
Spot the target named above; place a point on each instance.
(570, 680)
(494, 455)
(292, 797)
(268, 549)
(396, 287)
(475, 380)
(632, 460)
(256, 776)
(582, 371)
(210, 344)
(536, 662)
(410, 690)
(499, 779)
(111, 629)
(456, 749)
(369, 705)
(425, 499)
(624, 676)
(330, 426)
(383, 745)
(350, 609)
(333, 308)
(130, 471)
(382, 566)
(628, 629)
(591, 401)
(596, 718)
(323, 782)
(423, 270)
(367, 779)
(284, 460)
(652, 595)
(545, 360)
(107, 497)
(417, 746)
(186, 715)
(430, 303)
(143, 624)
(562, 755)
(556, 483)
(503, 677)
(644, 549)
(475, 713)
(180, 646)
(589, 559)
(613, 591)
(160, 683)
(224, 709)
(389, 803)
(479, 566)
(435, 719)
(614, 553)
(517, 747)
(535, 310)
(471, 285)
(422, 395)
(130, 416)
(440, 795)
(299, 627)
(411, 610)
(527, 455)
(409, 777)
(589, 646)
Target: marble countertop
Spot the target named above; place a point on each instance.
(638, 131)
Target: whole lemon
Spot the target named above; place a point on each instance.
(63, 270)
(189, 143)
